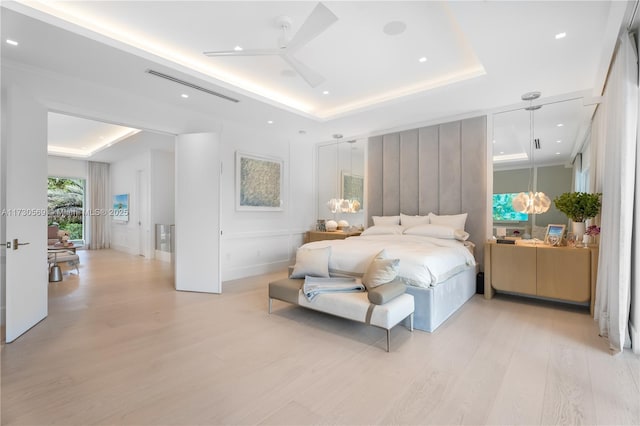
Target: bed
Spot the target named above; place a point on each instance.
(439, 270)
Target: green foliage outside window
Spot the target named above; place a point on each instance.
(65, 199)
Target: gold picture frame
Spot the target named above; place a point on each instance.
(554, 234)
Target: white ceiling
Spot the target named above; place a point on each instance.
(481, 56)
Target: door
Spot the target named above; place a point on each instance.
(197, 213)
(143, 213)
(24, 208)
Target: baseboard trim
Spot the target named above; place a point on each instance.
(249, 271)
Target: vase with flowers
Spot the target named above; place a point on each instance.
(578, 206)
(63, 236)
(590, 234)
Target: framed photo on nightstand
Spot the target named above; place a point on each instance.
(554, 234)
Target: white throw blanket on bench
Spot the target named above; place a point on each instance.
(313, 286)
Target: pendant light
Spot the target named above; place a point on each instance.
(335, 203)
(338, 204)
(531, 202)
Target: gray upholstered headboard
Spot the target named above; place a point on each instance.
(439, 169)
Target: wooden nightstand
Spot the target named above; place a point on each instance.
(556, 273)
(312, 236)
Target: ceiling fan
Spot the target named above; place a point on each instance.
(317, 22)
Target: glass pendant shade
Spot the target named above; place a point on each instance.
(339, 205)
(531, 203)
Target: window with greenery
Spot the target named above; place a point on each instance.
(66, 205)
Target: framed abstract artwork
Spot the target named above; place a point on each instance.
(259, 182)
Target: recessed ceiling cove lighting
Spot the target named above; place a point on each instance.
(184, 95)
(270, 122)
(423, 59)
(326, 92)
(12, 42)
(560, 35)
(238, 48)
(394, 28)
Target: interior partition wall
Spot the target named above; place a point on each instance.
(440, 169)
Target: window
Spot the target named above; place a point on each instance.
(65, 198)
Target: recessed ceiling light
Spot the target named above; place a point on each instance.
(501, 152)
(270, 122)
(184, 95)
(494, 141)
(326, 92)
(302, 132)
(394, 28)
(423, 59)
(238, 48)
(557, 153)
(559, 141)
(560, 35)
(559, 124)
(12, 42)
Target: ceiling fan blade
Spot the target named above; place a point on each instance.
(313, 78)
(320, 19)
(247, 52)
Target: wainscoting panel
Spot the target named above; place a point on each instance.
(429, 170)
(409, 172)
(439, 169)
(391, 170)
(474, 182)
(450, 169)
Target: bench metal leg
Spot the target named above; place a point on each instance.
(411, 322)
(388, 340)
(270, 303)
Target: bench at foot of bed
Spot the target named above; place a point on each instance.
(353, 306)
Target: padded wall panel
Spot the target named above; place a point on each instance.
(429, 170)
(391, 170)
(474, 179)
(374, 178)
(409, 177)
(450, 169)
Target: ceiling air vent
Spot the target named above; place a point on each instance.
(193, 86)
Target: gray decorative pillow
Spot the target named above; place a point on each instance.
(387, 292)
(312, 262)
(380, 271)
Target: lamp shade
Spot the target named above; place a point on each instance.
(531, 203)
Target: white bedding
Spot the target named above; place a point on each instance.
(424, 261)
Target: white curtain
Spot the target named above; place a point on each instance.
(99, 205)
(615, 177)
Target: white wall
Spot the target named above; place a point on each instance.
(158, 167)
(67, 167)
(259, 242)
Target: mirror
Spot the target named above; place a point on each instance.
(341, 175)
(561, 128)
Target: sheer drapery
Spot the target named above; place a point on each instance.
(615, 131)
(99, 205)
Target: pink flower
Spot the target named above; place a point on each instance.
(593, 230)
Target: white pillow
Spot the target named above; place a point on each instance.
(438, 231)
(384, 230)
(386, 220)
(380, 271)
(312, 262)
(456, 221)
(406, 220)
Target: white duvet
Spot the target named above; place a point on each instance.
(424, 261)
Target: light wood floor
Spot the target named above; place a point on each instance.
(120, 346)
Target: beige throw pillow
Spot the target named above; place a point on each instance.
(312, 262)
(381, 270)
